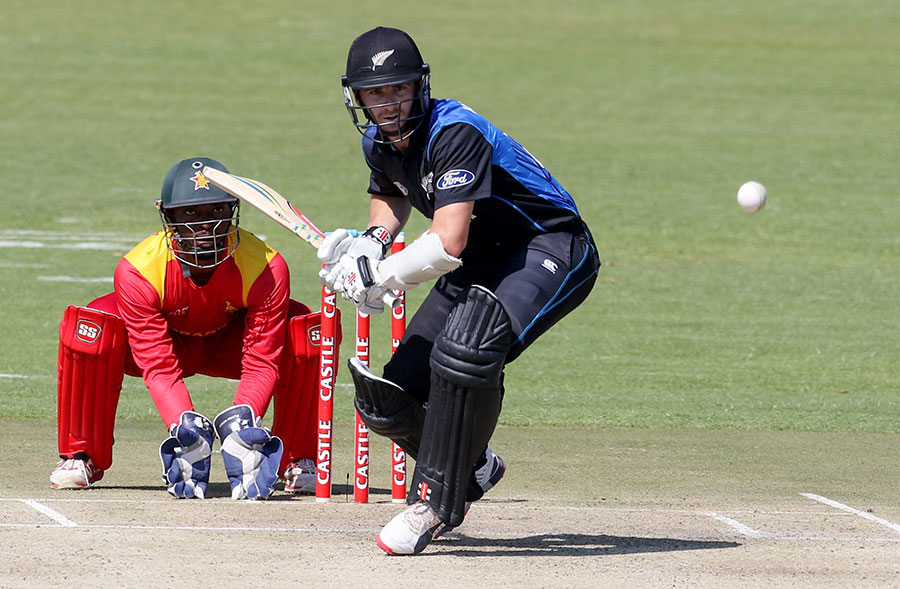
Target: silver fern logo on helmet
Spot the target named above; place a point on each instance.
(380, 57)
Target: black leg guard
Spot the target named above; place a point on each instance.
(466, 381)
(386, 408)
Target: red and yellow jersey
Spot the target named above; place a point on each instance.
(155, 299)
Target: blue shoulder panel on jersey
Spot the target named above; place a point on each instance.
(509, 154)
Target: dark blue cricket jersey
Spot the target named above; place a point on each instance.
(461, 156)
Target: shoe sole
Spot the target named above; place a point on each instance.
(384, 546)
(424, 540)
(73, 486)
(59, 486)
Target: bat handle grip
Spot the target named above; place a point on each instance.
(391, 300)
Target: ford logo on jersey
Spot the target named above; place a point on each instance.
(455, 179)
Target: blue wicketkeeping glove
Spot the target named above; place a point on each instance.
(251, 454)
(185, 456)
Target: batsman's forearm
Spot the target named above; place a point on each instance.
(388, 212)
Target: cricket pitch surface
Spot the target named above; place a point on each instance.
(588, 508)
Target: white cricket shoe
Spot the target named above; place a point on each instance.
(492, 471)
(487, 476)
(410, 531)
(74, 473)
(300, 476)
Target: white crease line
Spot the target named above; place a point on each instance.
(832, 539)
(486, 504)
(743, 529)
(54, 515)
(201, 528)
(105, 279)
(99, 246)
(13, 376)
(217, 502)
(21, 244)
(18, 265)
(369, 531)
(64, 522)
(848, 509)
(67, 235)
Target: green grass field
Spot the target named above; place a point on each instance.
(731, 374)
(651, 113)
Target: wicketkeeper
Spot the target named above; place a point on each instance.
(200, 297)
(511, 256)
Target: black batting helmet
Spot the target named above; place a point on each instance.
(386, 57)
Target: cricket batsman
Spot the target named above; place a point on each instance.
(202, 296)
(507, 247)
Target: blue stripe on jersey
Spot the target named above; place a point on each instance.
(515, 207)
(509, 154)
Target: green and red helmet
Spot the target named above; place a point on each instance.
(206, 242)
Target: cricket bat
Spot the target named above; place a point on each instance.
(267, 200)
(277, 208)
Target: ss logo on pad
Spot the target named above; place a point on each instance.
(87, 331)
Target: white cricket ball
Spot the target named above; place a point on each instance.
(751, 196)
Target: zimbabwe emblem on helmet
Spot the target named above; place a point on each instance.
(200, 181)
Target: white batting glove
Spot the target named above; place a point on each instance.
(373, 299)
(371, 244)
(361, 284)
(334, 246)
(331, 276)
(367, 281)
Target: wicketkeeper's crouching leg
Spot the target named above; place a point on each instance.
(91, 366)
(296, 397)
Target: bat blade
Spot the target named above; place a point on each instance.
(269, 202)
(277, 208)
